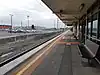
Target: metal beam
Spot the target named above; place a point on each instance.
(91, 25)
(67, 13)
(98, 29)
(69, 19)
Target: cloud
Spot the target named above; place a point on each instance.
(38, 12)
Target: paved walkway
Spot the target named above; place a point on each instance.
(64, 59)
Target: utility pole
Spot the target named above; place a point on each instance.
(54, 24)
(57, 23)
(21, 24)
(11, 23)
(28, 20)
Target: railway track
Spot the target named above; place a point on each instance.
(23, 47)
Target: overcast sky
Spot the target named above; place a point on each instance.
(39, 13)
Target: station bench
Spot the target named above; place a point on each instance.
(90, 51)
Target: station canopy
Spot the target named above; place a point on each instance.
(69, 11)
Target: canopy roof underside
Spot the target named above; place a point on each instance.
(69, 11)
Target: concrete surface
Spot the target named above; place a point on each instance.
(51, 64)
(65, 60)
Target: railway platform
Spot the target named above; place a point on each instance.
(65, 59)
(61, 57)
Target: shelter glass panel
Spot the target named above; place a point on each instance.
(94, 29)
(89, 29)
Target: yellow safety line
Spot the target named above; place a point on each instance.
(27, 66)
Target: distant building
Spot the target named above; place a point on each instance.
(5, 26)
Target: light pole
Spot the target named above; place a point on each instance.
(28, 20)
(54, 24)
(11, 23)
(57, 23)
(21, 24)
